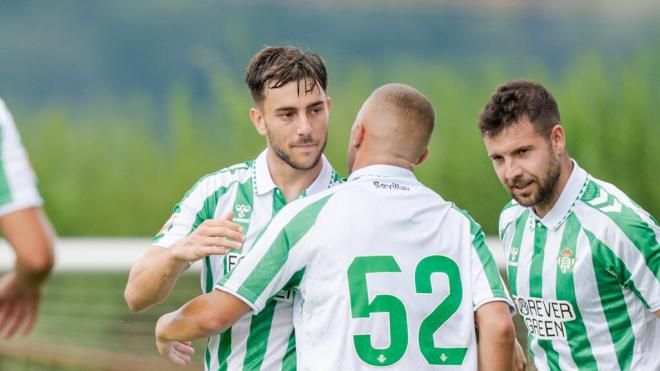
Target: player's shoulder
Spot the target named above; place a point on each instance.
(463, 215)
(509, 214)
(603, 204)
(313, 203)
(223, 179)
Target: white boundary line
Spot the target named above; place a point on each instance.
(120, 253)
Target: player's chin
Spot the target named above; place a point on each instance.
(308, 161)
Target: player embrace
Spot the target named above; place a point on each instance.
(387, 274)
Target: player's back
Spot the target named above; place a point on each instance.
(394, 279)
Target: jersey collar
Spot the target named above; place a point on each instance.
(264, 182)
(569, 196)
(381, 171)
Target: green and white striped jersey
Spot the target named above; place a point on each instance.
(263, 341)
(387, 273)
(18, 189)
(586, 278)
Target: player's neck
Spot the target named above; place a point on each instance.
(291, 181)
(376, 159)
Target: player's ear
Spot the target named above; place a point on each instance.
(328, 103)
(558, 138)
(423, 157)
(258, 120)
(359, 135)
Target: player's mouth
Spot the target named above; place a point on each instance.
(305, 146)
(521, 187)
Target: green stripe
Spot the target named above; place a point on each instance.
(576, 332)
(503, 231)
(612, 299)
(5, 192)
(536, 287)
(224, 349)
(273, 260)
(485, 256)
(633, 226)
(244, 205)
(289, 362)
(257, 340)
(207, 212)
(278, 201)
(514, 251)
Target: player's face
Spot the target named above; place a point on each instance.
(296, 123)
(525, 163)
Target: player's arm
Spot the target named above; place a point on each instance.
(31, 235)
(152, 278)
(496, 336)
(204, 316)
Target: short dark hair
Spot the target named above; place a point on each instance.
(275, 66)
(518, 100)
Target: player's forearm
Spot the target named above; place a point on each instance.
(203, 316)
(152, 278)
(496, 337)
(31, 235)
(496, 347)
(179, 326)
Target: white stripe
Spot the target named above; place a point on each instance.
(623, 198)
(642, 328)
(609, 233)
(509, 215)
(550, 254)
(213, 349)
(522, 285)
(588, 300)
(239, 335)
(278, 338)
(18, 172)
(194, 202)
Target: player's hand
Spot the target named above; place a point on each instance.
(519, 360)
(212, 237)
(176, 351)
(19, 303)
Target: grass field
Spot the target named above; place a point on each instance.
(84, 324)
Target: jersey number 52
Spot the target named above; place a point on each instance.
(362, 308)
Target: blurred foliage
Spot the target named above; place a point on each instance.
(119, 166)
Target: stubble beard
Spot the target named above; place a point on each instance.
(547, 186)
(286, 157)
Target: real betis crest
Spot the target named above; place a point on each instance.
(566, 261)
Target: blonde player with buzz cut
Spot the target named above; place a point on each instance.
(218, 220)
(27, 229)
(387, 274)
(583, 259)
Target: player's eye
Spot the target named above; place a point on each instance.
(287, 115)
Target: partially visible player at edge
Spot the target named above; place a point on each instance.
(583, 259)
(27, 229)
(220, 217)
(386, 272)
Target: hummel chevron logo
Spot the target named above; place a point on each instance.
(604, 198)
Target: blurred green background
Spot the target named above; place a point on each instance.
(123, 105)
